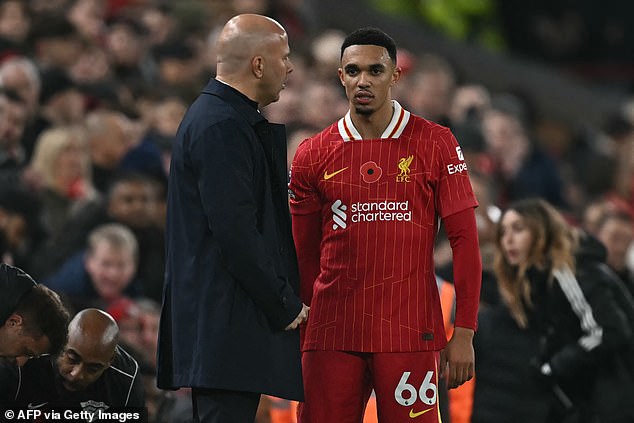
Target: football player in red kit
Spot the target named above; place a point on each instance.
(367, 194)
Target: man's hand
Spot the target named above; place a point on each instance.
(301, 318)
(457, 360)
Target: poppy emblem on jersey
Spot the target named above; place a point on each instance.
(371, 172)
(403, 167)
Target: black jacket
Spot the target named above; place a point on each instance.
(614, 377)
(38, 385)
(506, 387)
(231, 279)
(582, 325)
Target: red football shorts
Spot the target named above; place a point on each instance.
(337, 386)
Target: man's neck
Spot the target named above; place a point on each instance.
(243, 88)
(372, 126)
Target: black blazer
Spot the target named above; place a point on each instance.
(231, 280)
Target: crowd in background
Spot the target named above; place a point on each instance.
(91, 95)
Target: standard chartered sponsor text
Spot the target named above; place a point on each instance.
(383, 211)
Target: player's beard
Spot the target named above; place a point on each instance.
(363, 111)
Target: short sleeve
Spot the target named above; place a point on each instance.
(454, 192)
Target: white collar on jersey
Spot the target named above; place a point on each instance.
(400, 117)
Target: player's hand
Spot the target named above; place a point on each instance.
(301, 318)
(457, 360)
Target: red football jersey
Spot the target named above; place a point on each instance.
(380, 201)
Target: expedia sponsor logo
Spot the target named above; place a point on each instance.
(456, 168)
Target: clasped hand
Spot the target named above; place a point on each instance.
(301, 318)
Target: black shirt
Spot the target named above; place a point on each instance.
(37, 385)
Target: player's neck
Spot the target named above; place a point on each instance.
(373, 125)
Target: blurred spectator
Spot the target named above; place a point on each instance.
(12, 121)
(167, 116)
(603, 160)
(61, 165)
(61, 104)
(149, 316)
(322, 104)
(288, 108)
(126, 313)
(487, 217)
(593, 213)
(109, 141)
(44, 7)
(131, 201)
(15, 122)
(15, 23)
(560, 288)
(126, 44)
(88, 16)
(101, 274)
(21, 229)
(152, 155)
(325, 50)
(20, 74)
(615, 229)
(521, 169)
(92, 66)
(55, 41)
(179, 68)
(159, 21)
(469, 103)
(432, 89)
(620, 133)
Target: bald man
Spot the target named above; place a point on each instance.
(91, 373)
(231, 307)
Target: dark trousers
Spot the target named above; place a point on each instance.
(220, 406)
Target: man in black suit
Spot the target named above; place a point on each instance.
(231, 302)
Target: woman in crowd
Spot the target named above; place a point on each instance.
(61, 167)
(554, 286)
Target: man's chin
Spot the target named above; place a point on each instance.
(363, 110)
(69, 386)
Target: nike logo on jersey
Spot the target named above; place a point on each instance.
(330, 175)
(32, 406)
(413, 415)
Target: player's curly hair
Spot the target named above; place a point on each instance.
(370, 36)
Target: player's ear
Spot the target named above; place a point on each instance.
(396, 75)
(340, 72)
(14, 321)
